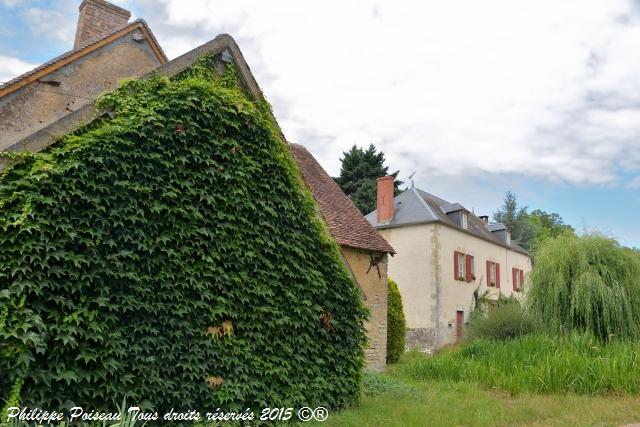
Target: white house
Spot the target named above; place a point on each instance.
(444, 253)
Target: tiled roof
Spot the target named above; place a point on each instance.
(346, 223)
(415, 206)
(88, 48)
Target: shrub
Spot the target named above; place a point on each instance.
(163, 253)
(537, 363)
(505, 321)
(588, 284)
(396, 324)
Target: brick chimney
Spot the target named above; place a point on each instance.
(97, 18)
(384, 200)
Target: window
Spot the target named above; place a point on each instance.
(459, 268)
(464, 268)
(464, 221)
(518, 279)
(493, 274)
(508, 238)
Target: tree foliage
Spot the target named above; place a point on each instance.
(589, 284)
(165, 253)
(358, 173)
(396, 324)
(529, 228)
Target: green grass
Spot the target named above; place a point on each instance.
(537, 364)
(446, 403)
(534, 380)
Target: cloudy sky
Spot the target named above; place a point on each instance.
(477, 98)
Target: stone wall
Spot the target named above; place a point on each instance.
(423, 339)
(42, 102)
(374, 289)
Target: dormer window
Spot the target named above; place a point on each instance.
(464, 220)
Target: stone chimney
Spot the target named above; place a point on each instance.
(97, 18)
(384, 199)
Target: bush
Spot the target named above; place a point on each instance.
(507, 320)
(587, 284)
(537, 363)
(396, 324)
(163, 253)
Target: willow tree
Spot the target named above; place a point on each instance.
(589, 284)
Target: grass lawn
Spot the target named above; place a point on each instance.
(396, 398)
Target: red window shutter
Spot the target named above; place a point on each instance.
(456, 273)
(514, 278)
(469, 277)
(488, 273)
(522, 279)
(497, 275)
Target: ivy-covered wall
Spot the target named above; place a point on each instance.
(170, 252)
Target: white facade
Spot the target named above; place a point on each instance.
(436, 302)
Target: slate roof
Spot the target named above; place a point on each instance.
(346, 223)
(415, 206)
(88, 47)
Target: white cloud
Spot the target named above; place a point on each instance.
(51, 23)
(11, 67)
(10, 3)
(546, 89)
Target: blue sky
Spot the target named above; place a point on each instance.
(542, 98)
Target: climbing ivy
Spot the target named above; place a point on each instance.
(170, 252)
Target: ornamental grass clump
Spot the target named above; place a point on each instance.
(588, 284)
(163, 253)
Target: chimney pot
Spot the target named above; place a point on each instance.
(97, 18)
(384, 199)
(485, 218)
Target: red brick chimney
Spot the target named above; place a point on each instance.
(97, 18)
(384, 200)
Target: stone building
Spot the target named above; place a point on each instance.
(444, 254)
(109, 49)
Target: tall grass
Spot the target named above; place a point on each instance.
(589, 284)
(576, 363)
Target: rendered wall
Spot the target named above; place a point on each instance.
(415, 269)
(424, 271)
(457, 295)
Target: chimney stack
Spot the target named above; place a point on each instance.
(485, 218)
(97, 18)
(384, 199)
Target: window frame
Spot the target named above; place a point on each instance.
(464, 220)
(461, 259)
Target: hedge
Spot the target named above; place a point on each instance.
(162, 252)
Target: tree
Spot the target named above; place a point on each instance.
(529, 229)
(358, 173)
(587, 284)
(516, 219)
(548, 225)
(396, 324)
